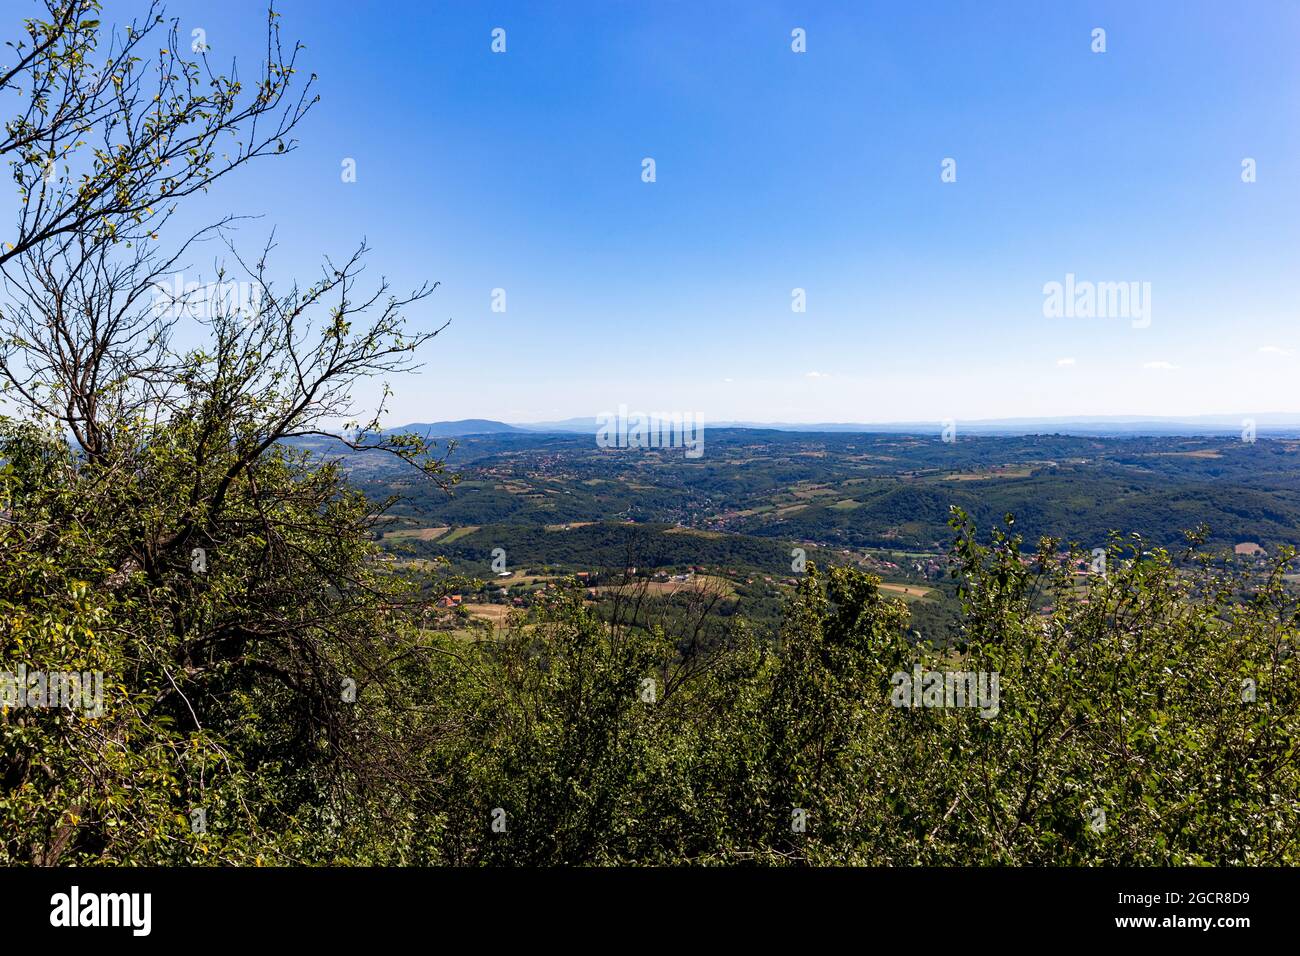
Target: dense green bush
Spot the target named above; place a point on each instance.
(1123, 734)
(1125, 731)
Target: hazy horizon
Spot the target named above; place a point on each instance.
(1225, 418)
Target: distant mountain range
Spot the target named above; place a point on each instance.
(1274, 423)
(465, 426)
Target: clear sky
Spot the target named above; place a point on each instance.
(821, 170)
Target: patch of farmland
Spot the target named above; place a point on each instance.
(420, 534)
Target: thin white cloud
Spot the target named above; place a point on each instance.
(1276, 350)
(818, 375)
(1062, 362)
(1164, 366)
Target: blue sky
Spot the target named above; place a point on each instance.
(821, 170)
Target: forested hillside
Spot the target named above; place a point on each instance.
(881, 491)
